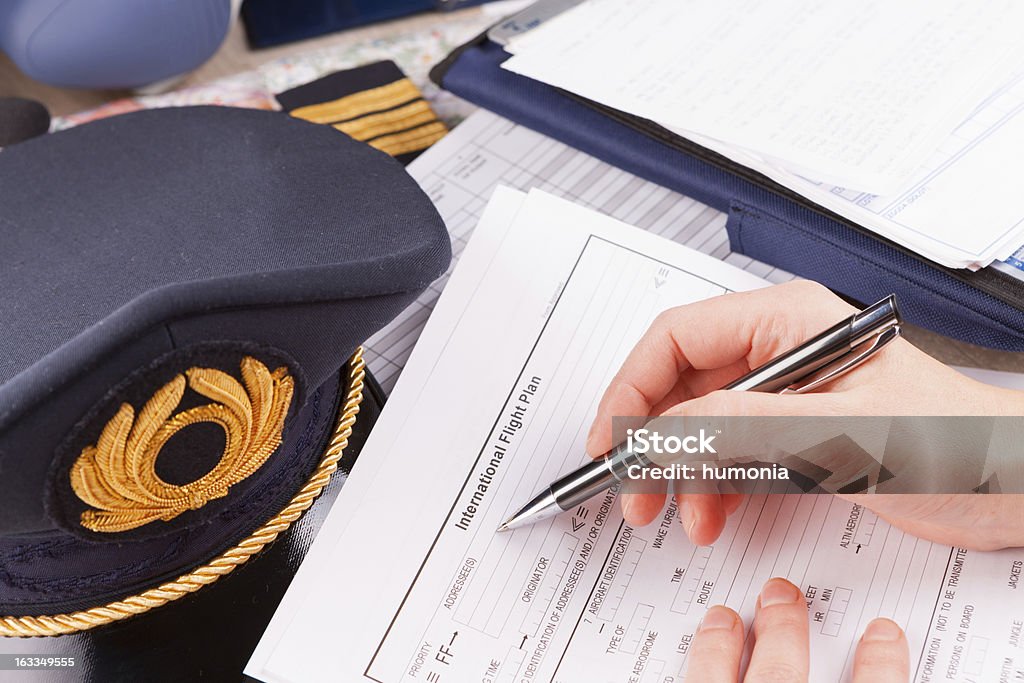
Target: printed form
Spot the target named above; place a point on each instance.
(408, 581)
(461, 171)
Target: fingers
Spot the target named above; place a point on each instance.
(731, 502)
(716, 650)
(883, 655)
(781, 650)
(702, 515)
(709, 335)
(640, 509)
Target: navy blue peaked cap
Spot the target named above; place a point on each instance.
(181, 292)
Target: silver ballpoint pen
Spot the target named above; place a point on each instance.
(805, 368)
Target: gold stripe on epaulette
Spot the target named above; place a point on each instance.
(411, 140)
(393, 120)
(360, 103)
(226, 562)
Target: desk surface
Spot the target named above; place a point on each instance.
(235, 56)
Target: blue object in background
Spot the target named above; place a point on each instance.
(765, 222)
(272, 22)
(111, 43)
(1017, 260)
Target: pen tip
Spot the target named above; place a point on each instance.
(503, 527)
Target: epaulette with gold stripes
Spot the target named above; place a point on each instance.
(376, 104)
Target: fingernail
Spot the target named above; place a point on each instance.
(627, 504)
(882, 630)
(589, 445)
(779, 592)
(718, 618)
(688, 517)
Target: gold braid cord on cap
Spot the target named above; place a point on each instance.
(118, 475)
(225, 563)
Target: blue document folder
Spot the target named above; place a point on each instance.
(766, 221)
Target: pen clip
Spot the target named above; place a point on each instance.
(844, 363)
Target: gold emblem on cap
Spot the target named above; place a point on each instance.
(117, 476)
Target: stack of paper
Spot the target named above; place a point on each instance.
(407, 581)
(903, 117)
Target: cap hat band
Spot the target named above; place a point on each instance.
(225, 563)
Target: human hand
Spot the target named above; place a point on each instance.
(976, 522)
(781, 644)
(691, 351)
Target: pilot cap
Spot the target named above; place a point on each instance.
(185, 292)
